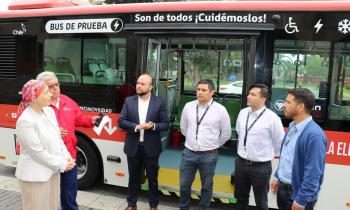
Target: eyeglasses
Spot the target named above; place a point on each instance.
(54, 85)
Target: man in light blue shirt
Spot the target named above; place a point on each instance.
(299, 176)
(287, 154)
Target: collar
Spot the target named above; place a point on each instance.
(258, 111)
(144, 101)
(57, 105)
(300, 126)
(206, 105)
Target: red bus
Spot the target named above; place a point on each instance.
(98, 52)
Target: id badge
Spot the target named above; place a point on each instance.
(196, 146)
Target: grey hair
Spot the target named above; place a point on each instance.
(45, 75)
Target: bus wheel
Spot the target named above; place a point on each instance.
(87, 163)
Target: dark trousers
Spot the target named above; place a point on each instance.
(69, 188)
(151, 165)
(256, 175)
(284, 199)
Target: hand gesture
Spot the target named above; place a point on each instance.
(63, 132)
(94, 118)
(274, 186)
(70, 164)
(146, 126)
(295, 206)
(149, 125)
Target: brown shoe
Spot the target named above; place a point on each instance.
(154, 208)
(131, 208)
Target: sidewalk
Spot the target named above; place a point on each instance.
(96, 199)
(99, 197)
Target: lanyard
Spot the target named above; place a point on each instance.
(250, 127)
(290, 135)
(199, 121)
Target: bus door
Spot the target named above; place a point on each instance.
(153, 59)
(160, 64)
(222, 60)
(181, 63)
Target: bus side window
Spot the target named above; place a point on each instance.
(300, 64)
(104, 61)
(339, 107)
(62, 56)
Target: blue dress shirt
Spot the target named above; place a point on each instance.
(287, 154)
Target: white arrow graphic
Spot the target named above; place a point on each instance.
(103, 122)
(110, 129)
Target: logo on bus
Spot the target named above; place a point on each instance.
(102, 25)
(21, 31)
(279, 105)
(117, 25)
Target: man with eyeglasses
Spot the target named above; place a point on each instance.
(69, 117)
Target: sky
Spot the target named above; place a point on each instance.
(3, 4)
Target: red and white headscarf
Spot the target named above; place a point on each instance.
(30, 91)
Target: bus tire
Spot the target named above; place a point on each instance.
(87, 164)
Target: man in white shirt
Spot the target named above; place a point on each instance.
(260, 134)
(206, 126)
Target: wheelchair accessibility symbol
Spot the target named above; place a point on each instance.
(291, 27)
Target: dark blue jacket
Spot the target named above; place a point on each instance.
(308, 164)
(129, 119)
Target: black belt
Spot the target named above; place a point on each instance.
(206, 151)
(285, 186)
(250, 162)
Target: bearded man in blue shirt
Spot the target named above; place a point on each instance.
(299, 176)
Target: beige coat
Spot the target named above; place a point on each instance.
(43, 152)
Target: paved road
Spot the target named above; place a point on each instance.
(100, 197)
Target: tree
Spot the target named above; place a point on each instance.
(96, 2)
(99, 2)
(125, 1)
(200, 65)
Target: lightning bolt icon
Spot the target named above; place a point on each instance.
(318, 25)
(116, 25)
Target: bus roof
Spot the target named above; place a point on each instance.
(238, 5)
(40, 4)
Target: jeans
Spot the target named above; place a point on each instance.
(69, 189)
(256, 175)
(285, 202)
(192, 161)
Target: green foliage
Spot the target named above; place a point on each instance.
(96, 2)
(125, 1)
(316, 66)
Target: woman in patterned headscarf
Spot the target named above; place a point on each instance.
(43, 153)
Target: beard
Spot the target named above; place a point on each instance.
(142, 93)
(290, 114)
